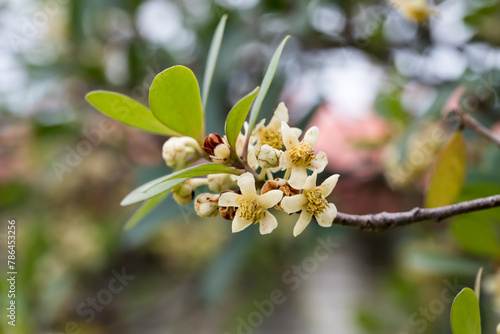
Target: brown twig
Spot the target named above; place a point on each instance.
(386, 221)
(472, 124)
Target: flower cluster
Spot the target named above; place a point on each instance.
(246, 199)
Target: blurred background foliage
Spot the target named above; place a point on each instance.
(374, 82)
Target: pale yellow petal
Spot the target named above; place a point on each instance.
(289, 139)
(297, 132)
(246, 182)
(294, 203)
(229, 199)
(319, 162)
(326, 218)
(298, 177)
(328, 185)
(285, 160)
(239, 224)
(269, 199)
(312, 135)
(280, 115)
(268, 223)
(304, 219)
(310, 183)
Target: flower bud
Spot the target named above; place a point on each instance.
(184, 192)
(220, 182)
(206, 205)
(218, 148)
(176, 151)
(268, 157)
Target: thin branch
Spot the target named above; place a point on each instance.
(471, 123)
(386, 221)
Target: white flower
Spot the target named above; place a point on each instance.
(268, 157)
(176, 150)
(251, 208)
(206, 205)
(299, 156)
(271, 134)
(312, 202)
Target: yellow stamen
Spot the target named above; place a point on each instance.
(271, 137)
(250, 210)
(316, 202)
(302, 154)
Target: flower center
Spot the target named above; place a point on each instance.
(302, 154)
(250, 210)
(271, 137)
(316, 202)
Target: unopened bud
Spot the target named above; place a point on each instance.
(220, 182)
(206, 205)
(218, 148)
(176, 151)
(268, 157)
(183, 193)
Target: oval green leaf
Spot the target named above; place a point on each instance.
(128, 111)
(174, 99)
(236, 118)
(476, 237)
(266, 83)
(213, 53)
(465, 317)
(167, 182)
(144, 209)
(449, 172)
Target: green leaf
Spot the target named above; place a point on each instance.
(174, 99)
(449, 172)
(128, 111)
(236, 118)
(144, 209)
(266, 82)
(476, 236)
(465, 317)
(213, 53)
(167, 182)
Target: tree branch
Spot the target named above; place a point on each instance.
(386, 221)
(471, 123)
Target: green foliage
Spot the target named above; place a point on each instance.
(236, 118)
(175, 100)
(465, 318)
(144, 209)
(449, 172)
(167, 182)
(476, 236)
(266, 82)
(212, 58)
(126, 110)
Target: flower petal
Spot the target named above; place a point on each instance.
(302, 222)
(239, 224)
(298, 177)
(289, 139)
(326, 218)
(297, 132)
(328, 185)
(280, 115)
(268, 223)
(285, 161)
(269, 199)
(319, 162)
(312, 135)
(310, 183)
(246, 182)
(293, 203)
(228, 199)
